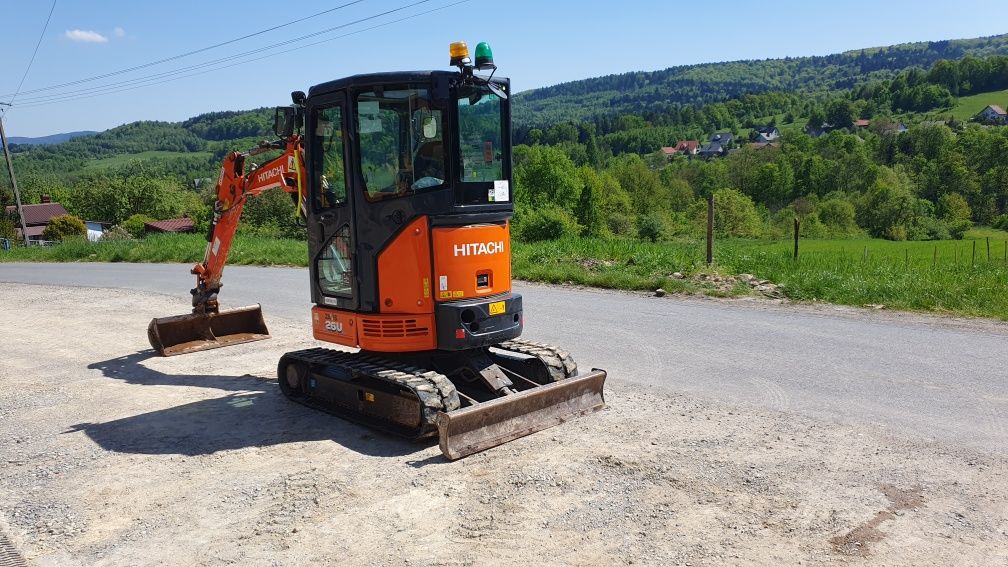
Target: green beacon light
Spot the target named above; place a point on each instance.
(484, 56)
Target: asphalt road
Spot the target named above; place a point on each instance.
(925, 377)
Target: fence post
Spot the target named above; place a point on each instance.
(973, 264)
(797, 227)
(864, 258)
(710, 229)
(934, 261)
(907, 250)
(988, 250)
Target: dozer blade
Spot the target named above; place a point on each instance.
(488, 424)
(183, 334)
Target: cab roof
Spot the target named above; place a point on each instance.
(371, 79)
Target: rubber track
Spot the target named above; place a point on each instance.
(435, 390)
(9, 556)
(560, 363)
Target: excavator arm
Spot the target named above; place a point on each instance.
(234, 188)
(208, 327)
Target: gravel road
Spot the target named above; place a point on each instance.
(924, 376)
(112, 456)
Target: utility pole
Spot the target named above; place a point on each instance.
(10, 172)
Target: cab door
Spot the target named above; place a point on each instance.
(331, 239)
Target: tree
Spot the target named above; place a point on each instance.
(735, 215)
(65, 227)
(816, 118)
(840, 113)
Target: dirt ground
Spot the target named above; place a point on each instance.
(112, 456)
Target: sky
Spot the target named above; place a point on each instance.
(535, 43)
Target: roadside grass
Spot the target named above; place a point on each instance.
(937, 276)
(184, 248)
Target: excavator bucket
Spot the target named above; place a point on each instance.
(183, 334)
(488, 424)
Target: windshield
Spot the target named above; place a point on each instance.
(401, 143)
(481, 155)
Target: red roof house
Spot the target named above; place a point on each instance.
(37, 217)
(685, 147)
(171, 225)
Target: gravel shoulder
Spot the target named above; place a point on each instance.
(112, 456)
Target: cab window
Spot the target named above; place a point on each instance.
(401, 143)
(330, 175)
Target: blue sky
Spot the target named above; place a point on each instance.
(536, 43)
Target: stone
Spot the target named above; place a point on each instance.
(659, 292)
(678, 276)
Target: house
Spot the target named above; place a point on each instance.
(820, 131)
(897, 128)
(993, 114)
(171, 225)
(766, 134)
(862, 123)
(684, 147)
(37, 217)
(719, 145)
(762, 145)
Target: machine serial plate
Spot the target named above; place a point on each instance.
(497, 307)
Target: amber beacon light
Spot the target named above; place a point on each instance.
(459, 54)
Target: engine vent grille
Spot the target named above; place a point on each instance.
(393, 328)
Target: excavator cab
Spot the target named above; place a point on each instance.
(404, 180)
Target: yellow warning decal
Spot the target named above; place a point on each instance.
(444, 294)
(368, 396)
(497, 307)
(458, 294)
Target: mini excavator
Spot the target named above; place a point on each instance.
(404, 184)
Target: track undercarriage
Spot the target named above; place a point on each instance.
(472, 399)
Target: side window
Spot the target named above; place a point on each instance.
(335, 263)
(330, 175)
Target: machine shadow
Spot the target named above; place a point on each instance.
(254, 414)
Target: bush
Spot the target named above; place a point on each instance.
(651, 227)
(958, 228)
(1001, 222)
(735, 215)
(619, 224)
(135, 224)
(65, 227)
(895, 232)
(838, 215)
(546, 223)
(928, 228)
(117, 232)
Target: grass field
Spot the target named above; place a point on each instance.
(922, 276)
(123, 159)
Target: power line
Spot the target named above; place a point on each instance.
(181, 73)
(188, 53)
(34, 53)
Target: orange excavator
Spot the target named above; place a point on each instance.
(404, 183)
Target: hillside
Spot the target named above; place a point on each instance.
(668, 89)
(51, 139)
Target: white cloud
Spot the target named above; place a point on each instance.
(86, 36)
(119, 32)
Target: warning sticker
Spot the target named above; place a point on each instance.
(443, 283)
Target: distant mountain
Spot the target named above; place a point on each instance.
(47, 140)
(655, 92)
